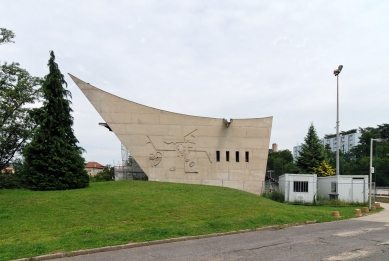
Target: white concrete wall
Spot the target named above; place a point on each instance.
(351, 188)
(324, 186)
(181, 148)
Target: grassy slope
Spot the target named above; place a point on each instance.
(382, 199)
(108, 213)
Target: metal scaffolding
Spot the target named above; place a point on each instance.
(129, 170)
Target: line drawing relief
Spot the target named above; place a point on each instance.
(176, 152)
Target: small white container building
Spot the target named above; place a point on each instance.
(298, 187)
(348, 188)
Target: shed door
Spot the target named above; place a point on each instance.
(358, 187)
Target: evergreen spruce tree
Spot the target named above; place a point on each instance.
(53, 159)
(312, 152)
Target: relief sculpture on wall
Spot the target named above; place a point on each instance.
(178, 153)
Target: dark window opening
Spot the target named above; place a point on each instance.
(247, 156)
(227, 156)
(300, 186)
(333, 187)
(217, 156)
(237, 156)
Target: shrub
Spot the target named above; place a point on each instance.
(107, 174)
(9, 180)
(274, 195)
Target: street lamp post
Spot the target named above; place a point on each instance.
(343, 157)
(336, 73)
(371, 168)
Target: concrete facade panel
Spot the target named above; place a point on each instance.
(181, 148)
(145, 118)
(212, 182)
(175, 131)
(257, 133)
(252, 186)
(234, 185)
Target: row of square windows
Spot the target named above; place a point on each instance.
(246, 158)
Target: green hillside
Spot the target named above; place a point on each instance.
(109, 213)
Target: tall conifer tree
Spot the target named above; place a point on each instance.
(312, 152)
(53, 160)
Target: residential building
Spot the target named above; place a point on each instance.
(8, 169)
(93, 168)
(347, 142)
(296, 151)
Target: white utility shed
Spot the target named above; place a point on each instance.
(298, 187)
(349, 188)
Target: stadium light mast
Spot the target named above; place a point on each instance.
(336, 73)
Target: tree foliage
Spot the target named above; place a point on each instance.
(357, 160)
(107, 174)
(280, 162)
(18, 90)
(6, 36)
(324, 170)
(53, 159)
(312, 152)
(13, 180)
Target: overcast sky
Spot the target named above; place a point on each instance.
(224, 59)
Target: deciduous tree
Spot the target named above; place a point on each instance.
(280, 162)
(324, 170)
(18, 90)
(6, 36)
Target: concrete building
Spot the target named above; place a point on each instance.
(347, 142)
(296, 152)
(181, 148)
(9, 169)
(274, 147)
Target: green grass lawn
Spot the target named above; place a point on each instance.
(110, 213)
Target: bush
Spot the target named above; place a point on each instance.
(274, 195)
(17, 180)
(107, 174)
(9, 180)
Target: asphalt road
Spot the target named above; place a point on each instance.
(365, 238)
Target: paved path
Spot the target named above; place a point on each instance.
(365, 238)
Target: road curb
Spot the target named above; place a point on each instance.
(156, 242)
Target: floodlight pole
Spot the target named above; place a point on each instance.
(371, 169)
(336, 73)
